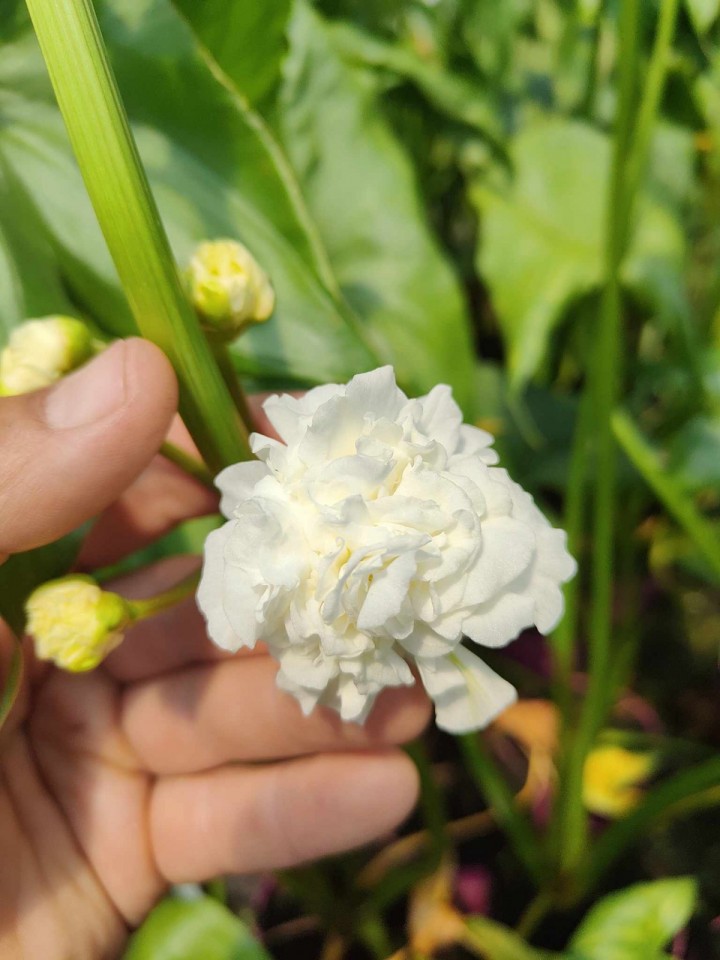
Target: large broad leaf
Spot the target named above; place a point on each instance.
(360, 187)
(193, 929)
(246, 39)
(30, 283)
(637, 923)
(542, 239)
(694, 454)
(215, 171)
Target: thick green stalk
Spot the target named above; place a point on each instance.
(90, 103)
(633, 131)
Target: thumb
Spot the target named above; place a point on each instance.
(67, 452)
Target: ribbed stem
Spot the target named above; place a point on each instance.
(91, 106)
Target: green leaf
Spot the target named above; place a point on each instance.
(22, 572)
(246, 39)
(637, 923)
(452, 94)
(361, 189)
(492, 941)
(694, 454)
(542, 239)
(703, 13)
(30, 283)
(215, 171)
(189, 929)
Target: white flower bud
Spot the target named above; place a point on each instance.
(228, 288)
(41, 351)
(75, 623)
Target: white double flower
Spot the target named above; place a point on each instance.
(378, 533)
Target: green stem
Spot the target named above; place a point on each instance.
(653, 88)
(229, 375)
(431, 800)
(631, 145)
(91, 106)
(372, 934)
(144, 609)
(603, 390)
(589, 99)
(187, 463)
(493, 785)
(564, 639)
(673, 497)
(536, 911)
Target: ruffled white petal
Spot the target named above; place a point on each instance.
(467, 694)
(237, 483)
(211, 592)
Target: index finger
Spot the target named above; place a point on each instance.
(160, 499)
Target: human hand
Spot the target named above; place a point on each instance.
(143, 773)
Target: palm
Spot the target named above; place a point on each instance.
(73, 829)
(118, 782)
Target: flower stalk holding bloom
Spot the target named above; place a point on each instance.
(76, 624)
(377, 534)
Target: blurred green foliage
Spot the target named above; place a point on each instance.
(427, 183)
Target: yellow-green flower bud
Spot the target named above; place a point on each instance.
(75, 623)
(41, 351)
(228, 288)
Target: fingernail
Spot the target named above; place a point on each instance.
(91, 393)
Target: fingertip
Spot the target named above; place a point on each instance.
(400, 715)
(392, 776)
(148, 367)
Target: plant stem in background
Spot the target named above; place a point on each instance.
(431, 800)
(633, 130)
(673, 497)
(229, 375)
(90, 102)
(499, 796)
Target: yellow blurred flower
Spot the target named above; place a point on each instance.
(612, 779)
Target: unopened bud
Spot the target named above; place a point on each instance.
(41, 351)
(228, 288)
(75, 623)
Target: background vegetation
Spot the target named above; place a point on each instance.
(519, 198)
